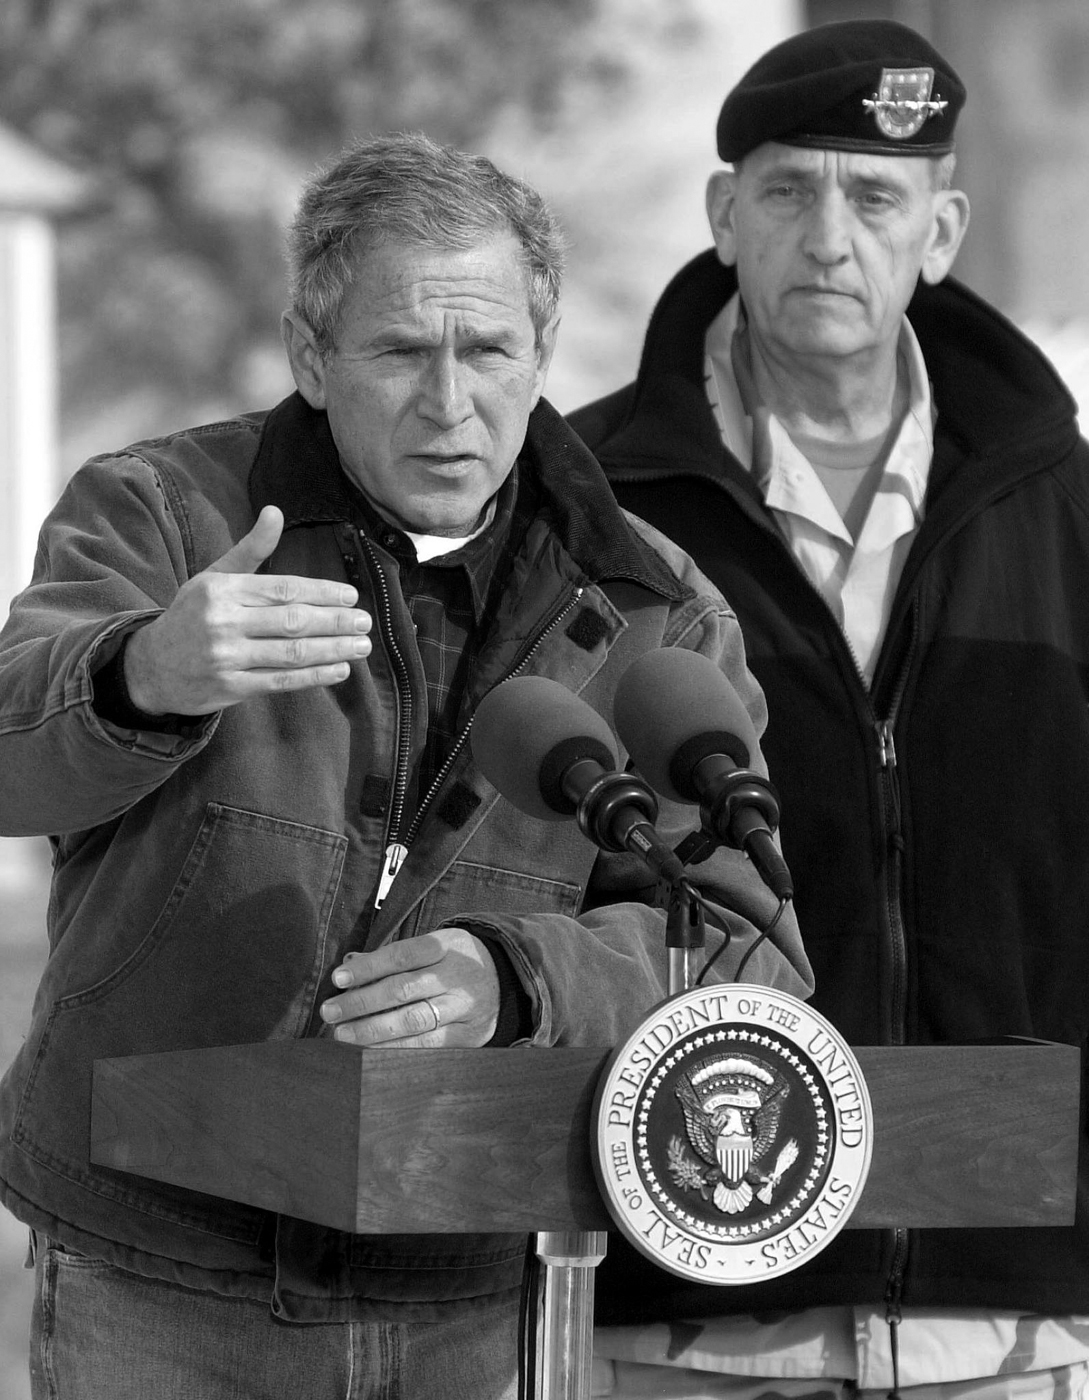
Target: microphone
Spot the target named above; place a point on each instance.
(553, 756)
(688, 732)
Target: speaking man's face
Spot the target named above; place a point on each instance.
(435, 371)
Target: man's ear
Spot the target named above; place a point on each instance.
(545, 349)
(721, 195)
(951, 214)
(304, 357)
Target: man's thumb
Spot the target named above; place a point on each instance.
(253, 549)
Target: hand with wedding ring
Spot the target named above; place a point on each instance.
(438, 989)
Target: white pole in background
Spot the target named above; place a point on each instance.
(28, 393)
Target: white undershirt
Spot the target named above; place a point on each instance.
(435, 546)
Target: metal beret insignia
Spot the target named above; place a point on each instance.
(902, 103)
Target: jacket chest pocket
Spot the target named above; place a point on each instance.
(473, 888)
(235, 952)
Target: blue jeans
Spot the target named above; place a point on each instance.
(101, 1333)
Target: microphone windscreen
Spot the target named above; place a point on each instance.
(518, 725)
(670, 698)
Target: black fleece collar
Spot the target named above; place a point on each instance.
(297, 468)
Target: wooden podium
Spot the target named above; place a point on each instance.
(479, 1140)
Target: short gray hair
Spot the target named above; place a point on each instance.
(405, 187)
(942, 169)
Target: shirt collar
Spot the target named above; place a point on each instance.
(781, 465)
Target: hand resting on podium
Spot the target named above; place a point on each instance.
(439, 989)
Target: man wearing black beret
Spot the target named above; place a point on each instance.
(886, 480)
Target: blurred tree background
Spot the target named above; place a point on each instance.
(196, 122)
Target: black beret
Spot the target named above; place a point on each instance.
(863, 85)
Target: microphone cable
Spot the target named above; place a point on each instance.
(761, 938)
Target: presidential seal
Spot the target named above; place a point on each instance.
(733, 1134)
(902, 103)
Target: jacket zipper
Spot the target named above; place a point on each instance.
(890, 786)
(890, 799)
(893, 1316)
(395, 849)
(398, 837)
(888, 777)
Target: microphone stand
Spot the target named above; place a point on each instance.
(565, 1311)
(685, 933)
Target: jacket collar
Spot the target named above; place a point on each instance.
(297, 468)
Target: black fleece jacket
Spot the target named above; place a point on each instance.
(937, 827)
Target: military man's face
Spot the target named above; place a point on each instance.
(829, 245)
(432, 380)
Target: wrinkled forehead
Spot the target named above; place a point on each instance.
(907, 178)
(774, 160)
(419, 282)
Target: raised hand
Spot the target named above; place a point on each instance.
(232, 633)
